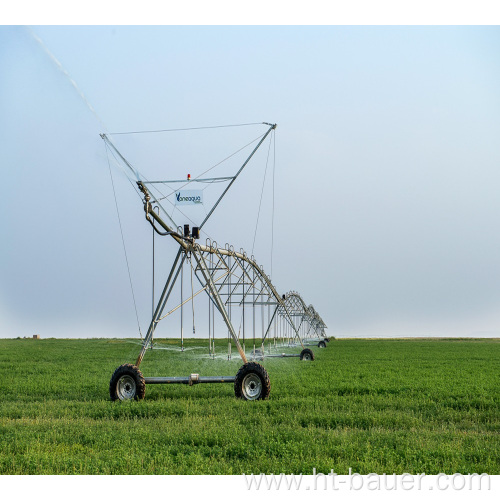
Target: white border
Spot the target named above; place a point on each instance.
(202, 487)
(256, 12)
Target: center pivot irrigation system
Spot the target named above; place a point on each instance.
(237, 288)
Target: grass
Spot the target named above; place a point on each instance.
(380, 406)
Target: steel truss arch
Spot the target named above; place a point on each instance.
(308, 322)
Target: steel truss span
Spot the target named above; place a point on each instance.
(308, 323)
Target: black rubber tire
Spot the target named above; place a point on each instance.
(321, 344)
(132, 371)
(257, 370)
(306, 355)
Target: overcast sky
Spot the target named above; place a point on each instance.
(386, 176)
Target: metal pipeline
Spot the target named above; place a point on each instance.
(192, 379)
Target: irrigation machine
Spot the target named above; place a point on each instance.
(238, 291)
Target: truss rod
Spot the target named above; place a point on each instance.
(167, 289)
(272, 127)
(213, 290)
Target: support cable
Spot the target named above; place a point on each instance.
(261, 195)
(205, 171)
(272, 216)
(185, 129)
(123, 242)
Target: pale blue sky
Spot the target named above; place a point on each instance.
(387, 171)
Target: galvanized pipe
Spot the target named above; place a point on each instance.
(190, 380)
(282, 356)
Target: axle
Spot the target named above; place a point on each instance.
(194, 378)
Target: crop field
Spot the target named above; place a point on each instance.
(394, 406)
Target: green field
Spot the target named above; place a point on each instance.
(380, 406)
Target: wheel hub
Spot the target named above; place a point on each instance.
(252, 386)
(126, 387)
